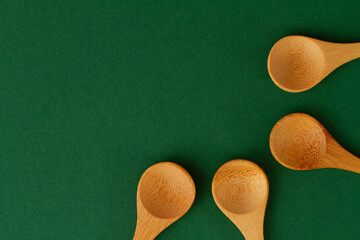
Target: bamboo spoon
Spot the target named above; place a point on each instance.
(240, 189)
(298, 63)
(165, 193)
(298, 141)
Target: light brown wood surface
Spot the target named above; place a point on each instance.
(298, 141)
(165, 193)
(240, 189)
(298, 63)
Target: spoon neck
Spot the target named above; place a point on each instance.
(148, 226)
(148, 229)
(139, 234)
(256, 235)
(341, 53)
(252, 232)
(141, 231)
(251, 224)
(338, 157)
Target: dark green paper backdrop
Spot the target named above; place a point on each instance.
(94, 92)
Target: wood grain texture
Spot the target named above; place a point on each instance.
(165, 193)
(298, 63)
(298, 141)
(240, 189)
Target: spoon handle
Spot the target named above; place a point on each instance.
(252, 224)
(339, 54)
(141, 232)
(340, 158)
(147, 230)
(149, 227)
(351, 163)
(252, 234)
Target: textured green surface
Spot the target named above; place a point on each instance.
(94, 92)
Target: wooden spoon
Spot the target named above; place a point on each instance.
(298, 141)
(240, 189)
(165, 193)
(298, 63)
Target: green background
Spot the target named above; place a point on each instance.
(94, 92)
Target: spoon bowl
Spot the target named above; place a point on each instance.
(240, 189)
(166, 192)
(298, 141)
(298, 63)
